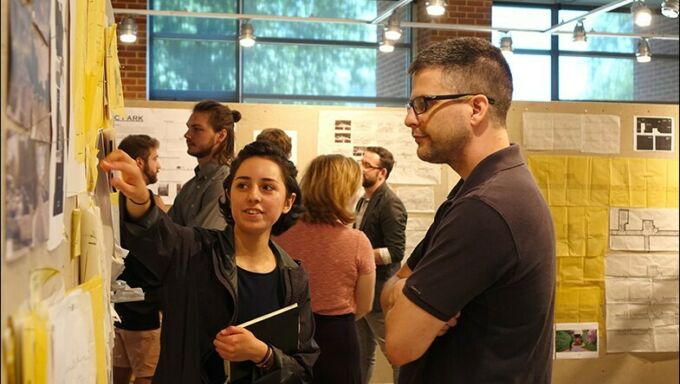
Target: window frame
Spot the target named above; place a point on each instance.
(555, 53)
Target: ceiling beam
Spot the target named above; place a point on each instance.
(605, 8)
(392, 8)
(416, 25)
(238, 16)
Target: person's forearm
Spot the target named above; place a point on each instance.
(390, 292)
(377, 257)
(137, 209)
(392, 287)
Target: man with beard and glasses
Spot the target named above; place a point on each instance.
(210, 139)
(474, 302)
(382, 217)
(137, 342)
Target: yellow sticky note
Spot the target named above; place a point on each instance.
(75, 232)
(599, 181)
(91, 166)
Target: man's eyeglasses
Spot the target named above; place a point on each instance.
(367, 165)
(420, 104)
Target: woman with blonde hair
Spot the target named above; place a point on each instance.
(339, 261)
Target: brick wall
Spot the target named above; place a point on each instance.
(133, 56)
(658, 79)
(468, 12)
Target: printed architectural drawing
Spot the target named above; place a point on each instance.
(643, 229)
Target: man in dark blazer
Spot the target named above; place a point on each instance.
(382, 217)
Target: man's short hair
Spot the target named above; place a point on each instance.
(279, 137)
(386, 158)
(138, 146)
(471, 64)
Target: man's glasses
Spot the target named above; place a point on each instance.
(367, 165)
(420, 104)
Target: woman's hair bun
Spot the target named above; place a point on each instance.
(236, 115)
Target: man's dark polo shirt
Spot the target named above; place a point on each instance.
(489, 254)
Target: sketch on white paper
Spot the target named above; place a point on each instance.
(168, 126)
(571, 132)
(417, 199)
(652, 265)
(641, 291)
(72, 357)
(349, 132)
(643, 229)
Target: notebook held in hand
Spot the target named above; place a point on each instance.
(279, 328)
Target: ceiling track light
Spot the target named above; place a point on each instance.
(506, 45)
(642, 15)
(435, 7)
(247, 37)
(127, 30)
(386, 46)
(580, 38)
(669, 8)
(644, 53)
(393, 28)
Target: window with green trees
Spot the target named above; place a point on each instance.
(292, 62)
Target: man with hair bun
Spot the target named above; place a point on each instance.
(210, 139)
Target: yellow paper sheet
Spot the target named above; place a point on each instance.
(597, 226)
(75, 232)
(560, 222)
(34, 347)
(672, 190)
(94, 287)
(114, 84)
(578, 181)
(79, 13)
(551, 175)
(600, 182)
(579, 304)
(580, 190)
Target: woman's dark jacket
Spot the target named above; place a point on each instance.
(198, 296)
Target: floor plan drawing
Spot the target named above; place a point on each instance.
(643, 229)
